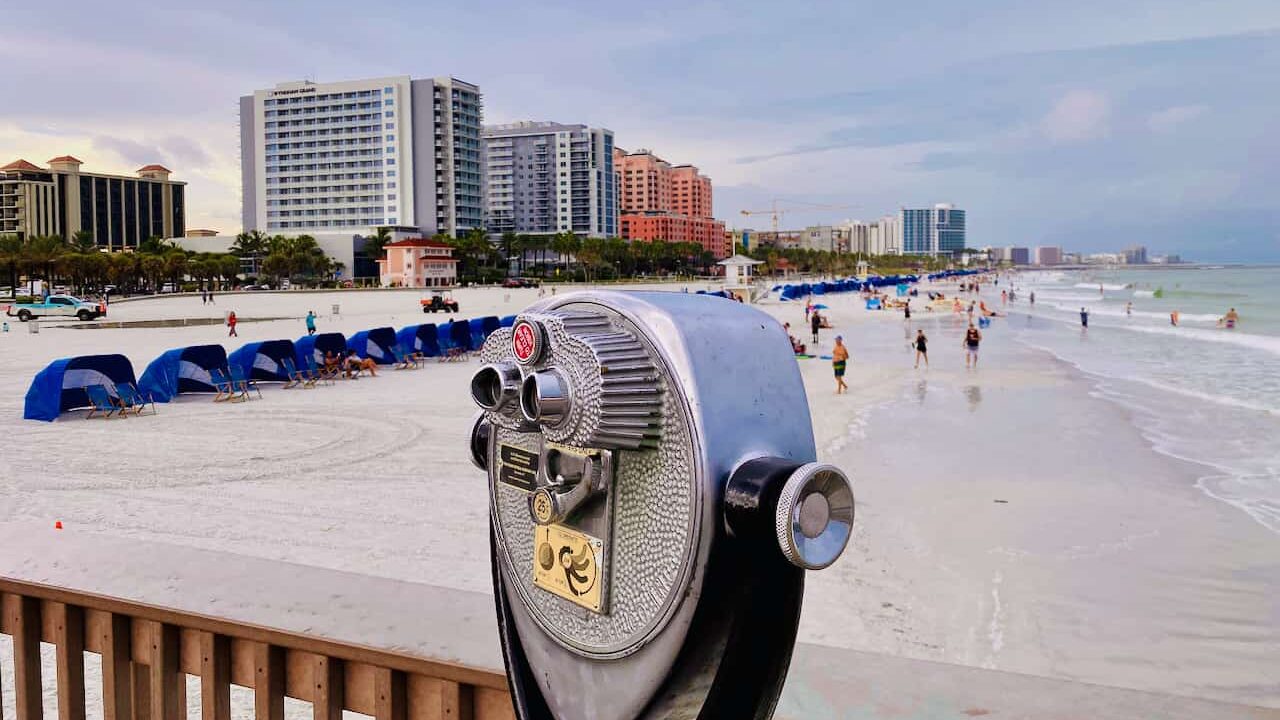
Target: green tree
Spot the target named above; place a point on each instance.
(252, 245)
(374, 244)
(11, 255)
(82, 242)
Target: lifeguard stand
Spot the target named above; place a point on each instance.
(737, 276)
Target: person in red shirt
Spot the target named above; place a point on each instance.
(231, 323)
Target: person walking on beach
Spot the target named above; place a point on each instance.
(815, 322)
(922, 349)
(1084, 318)
(906, 311)
(231, 323)
(1032, 297)
(211, 302)
(972, 337)
(311, 322)
(1173, 318)
(839, 359)
(1128, 309)
(1004, 297)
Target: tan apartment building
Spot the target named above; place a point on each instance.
(119, 211)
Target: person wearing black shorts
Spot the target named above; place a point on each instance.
(922, 348)
(972, 337)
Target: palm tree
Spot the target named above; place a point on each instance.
(82, 242)
(11, 255)
(374, 244)
(40, 254)
(252, 245)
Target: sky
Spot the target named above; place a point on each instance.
(1091, 124)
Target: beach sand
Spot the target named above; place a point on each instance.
(1102, 562)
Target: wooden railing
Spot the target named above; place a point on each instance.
(148, 651)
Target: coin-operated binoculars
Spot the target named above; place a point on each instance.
(654, 503)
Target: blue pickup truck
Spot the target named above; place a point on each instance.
(57, 306)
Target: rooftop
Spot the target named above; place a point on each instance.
(418, 243)
(20, 164)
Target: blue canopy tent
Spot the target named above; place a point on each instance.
(60, 386)
(375, 343)
(454, 335)
(482, 328)
(420, 339)
(507, 321)
(182, 370)
(263, 360)
(315, 346)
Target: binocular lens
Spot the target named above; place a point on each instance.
(494, 385)
(544, 398)
(815, 516)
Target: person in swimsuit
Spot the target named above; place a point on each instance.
(1128, 309)
(922, 349)
(839, 360)
(1232, 317)
(972, 337)
(1084, 318)
(906, 311)
(815, 322)
(1173, 318)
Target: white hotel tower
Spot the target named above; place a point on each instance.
(346, 157)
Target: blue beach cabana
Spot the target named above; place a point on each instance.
(420, 339)
(315, 346)
(375, 343)
(263, 360)
(60, 386)
(182, 370)
(455, 334)
(507, 321)
(482, 328)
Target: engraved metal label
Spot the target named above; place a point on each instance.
(526, 342)
(567, 563)
(518, 467)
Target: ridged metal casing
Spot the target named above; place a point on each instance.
(617, 396)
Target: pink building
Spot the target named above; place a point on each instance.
(418, 262)
(660, 201)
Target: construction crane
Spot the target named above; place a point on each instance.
(775, 212)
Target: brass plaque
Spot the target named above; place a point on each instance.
(518, 467)
(569, 564)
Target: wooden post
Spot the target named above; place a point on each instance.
(117, 691)
(168, 682)
(268, 682)
(456, 701)
(327, 681)
(215, 677)
(24, 625)
(388, 694)
(140, 692)
(68, 637)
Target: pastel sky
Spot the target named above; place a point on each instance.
(1092, 124)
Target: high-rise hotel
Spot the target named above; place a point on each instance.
(347, 157)
(547, 178)
(938, 230)
(118, 211)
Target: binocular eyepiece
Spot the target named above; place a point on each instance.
(654, 504)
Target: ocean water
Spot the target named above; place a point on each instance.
(1198, 391)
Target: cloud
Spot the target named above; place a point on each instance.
(1077, 116)
(1170, 118)
(131, 151)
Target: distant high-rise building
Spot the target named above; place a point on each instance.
(671, 203)
(1019, 255)
(878, 237)
(1047, 255)
(352, 156)
(939, 230)
(1135, 255)
(119, 211)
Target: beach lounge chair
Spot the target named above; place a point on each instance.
(403, 362)
(103, 403)
(227, 391)
(297, 377)
(319, 373)
(131, 398)
(245, 384)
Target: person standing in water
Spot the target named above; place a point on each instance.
(972, 337)
(1173, 318)
(1032, 297)
(1084, 318)
(906, 311)
(1128, 308)
(1231, 318)
(839, 360)
(922, 349)
(311, 322)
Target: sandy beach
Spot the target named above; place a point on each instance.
(1008, 517)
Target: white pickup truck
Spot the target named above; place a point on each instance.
(57, 306)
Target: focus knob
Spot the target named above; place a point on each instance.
(814, 519)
